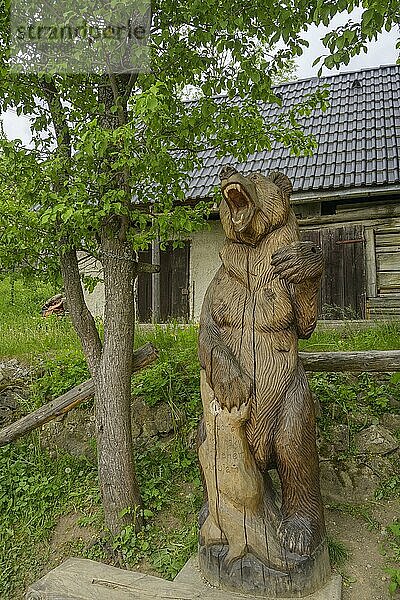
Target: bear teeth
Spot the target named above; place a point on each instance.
(232, 186)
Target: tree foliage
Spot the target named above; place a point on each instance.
(156, 134)
(348, 40)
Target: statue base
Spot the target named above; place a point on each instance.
(191, 575)
(248, 575)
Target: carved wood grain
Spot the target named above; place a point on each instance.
(258, 410)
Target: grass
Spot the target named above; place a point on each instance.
(392, 550)
(37, 487)
(381, 336)
(338, 553)
(24, 334)
(35, 490)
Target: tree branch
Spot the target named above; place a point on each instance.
(81, 317)
(58, 117)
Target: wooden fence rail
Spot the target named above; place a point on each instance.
(357, 362)
(372, 361)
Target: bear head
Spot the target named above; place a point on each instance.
(253, 205)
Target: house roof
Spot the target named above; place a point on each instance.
(358, 137)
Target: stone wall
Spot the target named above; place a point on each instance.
(14, 382)
(352, 464)
(75, 431)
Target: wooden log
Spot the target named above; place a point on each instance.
(388, 240)
(384, 302)
(389, 280)
(142, 357)
(388, 261)
(357, 362)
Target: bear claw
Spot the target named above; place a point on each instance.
(296, 535)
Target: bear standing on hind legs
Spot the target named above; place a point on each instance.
(261, 300)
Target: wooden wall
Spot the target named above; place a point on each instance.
(361, 245)
(387, 248)
(384, 273)
(342, 293)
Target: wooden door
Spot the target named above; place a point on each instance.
(174, 285)
(343, 286)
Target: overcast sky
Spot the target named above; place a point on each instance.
(381, 52)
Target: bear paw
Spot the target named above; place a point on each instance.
(296, 535)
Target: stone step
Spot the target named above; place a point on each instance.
(83, 579)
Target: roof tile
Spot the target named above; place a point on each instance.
(359, 136)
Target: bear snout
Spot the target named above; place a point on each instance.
(227, 171)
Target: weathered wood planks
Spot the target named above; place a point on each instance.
(388, 261)
(344, 280)
(82, 579)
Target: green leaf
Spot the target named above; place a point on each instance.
(395, 378)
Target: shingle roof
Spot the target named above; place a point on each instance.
(358, 136)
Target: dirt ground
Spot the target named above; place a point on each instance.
(363, 573)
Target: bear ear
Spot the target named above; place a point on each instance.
(282, 181)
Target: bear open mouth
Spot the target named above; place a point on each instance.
(240, 204)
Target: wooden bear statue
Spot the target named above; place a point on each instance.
(258, 409)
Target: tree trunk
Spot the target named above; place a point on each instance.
(119, 488)
(81, 317)
(120, 492)
(110, 365)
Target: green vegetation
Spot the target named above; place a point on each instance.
(96, 143)
(338, 553)
(390, 488)
(35, 490)
(57, 376)
(347, 397)
(38, 487)
(24, 334)
(382, 336)
(170, 484)
(392, 550)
